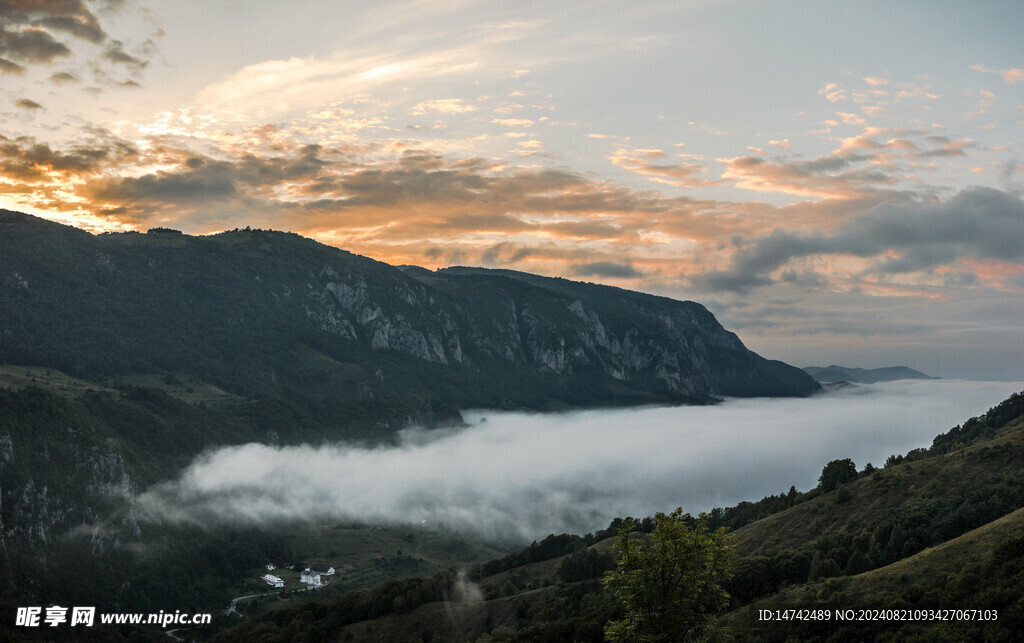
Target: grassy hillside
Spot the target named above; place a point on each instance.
(980, 570)
(934, 498)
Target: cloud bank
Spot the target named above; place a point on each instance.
(39, 32)
(978, 223)
(516, 477)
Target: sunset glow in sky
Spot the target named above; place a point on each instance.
(837, 181)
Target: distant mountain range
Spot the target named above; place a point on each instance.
(829, 374)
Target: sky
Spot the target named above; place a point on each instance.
(838, 182)
(492, 480)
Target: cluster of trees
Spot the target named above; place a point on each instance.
(585, 564)
(556, 546)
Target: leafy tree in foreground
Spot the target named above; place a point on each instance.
(836, 473)
(671, 582)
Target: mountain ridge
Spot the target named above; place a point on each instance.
(835, 373)
(241, 309)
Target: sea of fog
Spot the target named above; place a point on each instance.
(513, 477)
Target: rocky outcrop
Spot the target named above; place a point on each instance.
(472, 317)
(58, 478)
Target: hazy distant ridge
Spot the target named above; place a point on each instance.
(836, 373)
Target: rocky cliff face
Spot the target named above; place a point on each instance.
(487, 318)
(57, 476)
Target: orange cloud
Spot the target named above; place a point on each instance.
(444, 106)
(827, 177)
(642, 162)
(1013, 76)
(513, 122)
(850, 119)
(833, 93)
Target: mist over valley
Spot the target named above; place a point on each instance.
(515, 477)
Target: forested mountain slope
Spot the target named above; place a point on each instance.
(270, 314)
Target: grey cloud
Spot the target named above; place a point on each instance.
(448, 255)
(752, 264)
(803, 278)
(31, 46)
(63, 77)
(26, 103)
(955, 279)
(827, 163)
(420, 186)
(826, 176)
(25, 159)
(202, 180)
(28, 29)
(71, 16)
(981, 223)
(115, 53)
(87, 29)
(605, 269)
(951, 149)
(177, 188)
(733, 279)
(11, 67)
(505, 253)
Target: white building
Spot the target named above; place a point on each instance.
(273, 581)
(310, 578)
(270, 567)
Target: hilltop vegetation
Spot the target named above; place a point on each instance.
(980, 570)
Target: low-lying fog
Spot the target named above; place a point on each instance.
(518, 477)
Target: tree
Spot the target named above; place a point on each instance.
(670, 583)
(836, 473)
